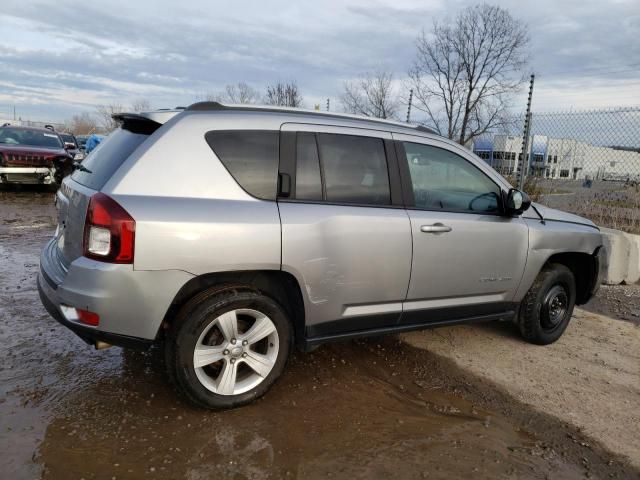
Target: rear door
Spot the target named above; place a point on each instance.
(345, 234)
(468, 259)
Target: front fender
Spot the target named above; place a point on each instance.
(552, 238)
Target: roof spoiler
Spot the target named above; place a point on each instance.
(157, 116)
(137, 122)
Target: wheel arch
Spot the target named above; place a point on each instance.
(584, 268)
(279, 285)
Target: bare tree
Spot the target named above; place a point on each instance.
(82, 124)
(241, 93)
(141, 105)
(283, 94)
(105, 116)
(210, 97)
(372, 95)
(467, 70)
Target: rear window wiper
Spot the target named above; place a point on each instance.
(82, 168)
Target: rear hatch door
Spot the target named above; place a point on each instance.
(72, 199)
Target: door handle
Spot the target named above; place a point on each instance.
(435, 228)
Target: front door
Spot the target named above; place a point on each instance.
(468, 259)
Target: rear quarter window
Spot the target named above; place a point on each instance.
(251, 157)
(106, 158)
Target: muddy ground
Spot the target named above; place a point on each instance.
(368, 409)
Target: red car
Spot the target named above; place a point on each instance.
(32, 155)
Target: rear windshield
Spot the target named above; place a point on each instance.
(106, 158)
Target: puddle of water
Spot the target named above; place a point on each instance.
(347, 410)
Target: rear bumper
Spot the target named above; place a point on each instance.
(131, 304)
(90, 335)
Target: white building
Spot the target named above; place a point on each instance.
(559, 158)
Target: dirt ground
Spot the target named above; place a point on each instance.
(590, 378)
(620, 302)
(379, 408)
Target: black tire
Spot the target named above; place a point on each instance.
(198, 314)
(542, 321)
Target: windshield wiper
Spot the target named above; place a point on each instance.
(82, 168)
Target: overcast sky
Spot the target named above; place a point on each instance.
(63, 57)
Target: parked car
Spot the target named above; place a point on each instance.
(32, 155)
(82, 141)
(234, 233)
(72, 146)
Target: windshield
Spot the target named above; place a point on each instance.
(67, 138)
(33, 138)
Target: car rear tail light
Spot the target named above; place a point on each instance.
(109, 231)
(88, 318)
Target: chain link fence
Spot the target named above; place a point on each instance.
(582, 145)
(585, 162)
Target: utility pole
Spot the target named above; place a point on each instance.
(522, 172)
(14, 113)
(409, 107)
(327, 104)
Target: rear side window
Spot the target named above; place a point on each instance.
(355, 169)
(308, 182)
(106, 158)
(251, 157)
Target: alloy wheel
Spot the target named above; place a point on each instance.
(236, 351)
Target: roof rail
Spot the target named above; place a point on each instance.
(217, 106)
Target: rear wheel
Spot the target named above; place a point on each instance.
(546, 310)
(228, 346)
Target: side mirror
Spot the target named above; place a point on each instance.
(69, 146)
(516, 202)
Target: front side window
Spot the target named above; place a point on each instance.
(251, 157)
(443, 180)
(354, 168)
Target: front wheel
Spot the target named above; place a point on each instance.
(228, 346)
(547, 308)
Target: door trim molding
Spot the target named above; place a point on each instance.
(316, 336)
(382, 324)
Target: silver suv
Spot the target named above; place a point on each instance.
(229, 234)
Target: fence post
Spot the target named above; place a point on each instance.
(525, 139)
(409, 107)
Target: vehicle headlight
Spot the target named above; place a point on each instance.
(78, 156)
